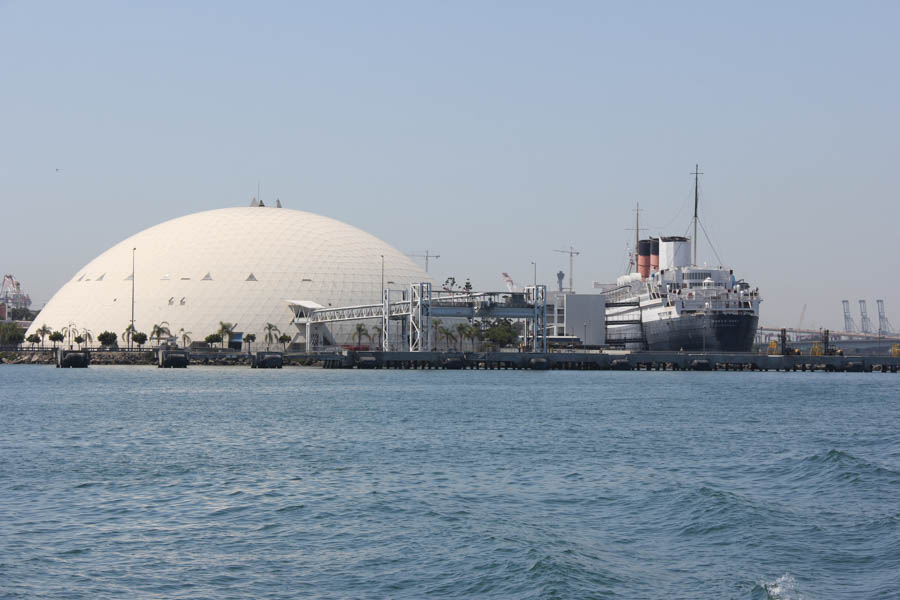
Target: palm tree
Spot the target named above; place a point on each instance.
(128, 333)
(447, 335)
(70, 331)
(225, 330)
(185, 337)
(88, 336)
(436, 323)
(271, 331)
(361, 332)
(284, 339)
(159, 330)
(462, 329)
(379, 331)
(43, 331)
(250, 338)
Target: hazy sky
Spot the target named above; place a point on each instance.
(488, 132)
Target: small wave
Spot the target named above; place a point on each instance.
(783, 588)
(843, 465)
(291, 508)
(227, 511)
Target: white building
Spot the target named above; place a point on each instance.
(238, 265)
(581, 316)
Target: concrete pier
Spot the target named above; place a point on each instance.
(589, 361)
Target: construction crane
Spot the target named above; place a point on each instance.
(865, 325)
(849, 325)
(12, 295)
(572, 252)
(510, 284)
(426, 256)
(884, 325)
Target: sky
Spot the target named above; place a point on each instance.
(490, 133)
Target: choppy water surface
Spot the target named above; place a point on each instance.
(236, 483)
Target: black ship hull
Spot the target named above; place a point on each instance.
(703, 332)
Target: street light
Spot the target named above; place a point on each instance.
(131, 333)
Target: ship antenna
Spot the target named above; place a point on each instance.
(696, 175)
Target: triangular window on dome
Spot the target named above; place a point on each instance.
(82, 277)
(130, 277)
(165, 277)
(102, 275)
(251, 277)
(206, 277)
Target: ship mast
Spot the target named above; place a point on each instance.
(637, 235)
(696, 175)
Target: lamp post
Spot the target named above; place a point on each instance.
(131, 333)
(384, 308)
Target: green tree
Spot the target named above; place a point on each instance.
(55, 337)
(43, 331)
(140, 338)
(33, 339)
(22, 314)
(468, 286)
(213, 338)
(15, 338)
(10, 334)
(284, 339)
(272, 332)
(501, 332)
(159, 330)
(361, 332)
(225, 330)
(450, 284)
(6, 332)
(79, 340)
(250, 338)
(107, 338)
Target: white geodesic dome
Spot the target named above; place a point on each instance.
(238, 265)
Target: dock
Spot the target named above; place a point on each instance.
(600, 361)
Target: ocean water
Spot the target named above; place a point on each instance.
(134, 482)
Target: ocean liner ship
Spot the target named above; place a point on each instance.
(671, 303)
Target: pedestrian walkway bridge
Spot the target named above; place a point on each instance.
(414, 309)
